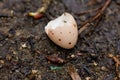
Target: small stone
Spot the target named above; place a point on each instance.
(87, 78)
(16, 70)
(34, 71)
(95, 64)
(103, 68)
(24, 45)
(72, 56)
(1, 62)
(8, 57)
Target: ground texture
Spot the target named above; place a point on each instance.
(24, 44)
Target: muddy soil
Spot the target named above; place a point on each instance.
(24, 44)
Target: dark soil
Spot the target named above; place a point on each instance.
(24, 44)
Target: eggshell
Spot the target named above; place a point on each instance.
(63, 31)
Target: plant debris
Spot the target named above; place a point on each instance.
(73, 73)
(55, 68)
(98, 14)
(55, 59)
(40, 12)
(117, 64)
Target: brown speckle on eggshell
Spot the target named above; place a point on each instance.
(69, 43)
(59, 39)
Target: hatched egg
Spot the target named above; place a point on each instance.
(63, 31)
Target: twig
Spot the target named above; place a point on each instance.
(88, 11)
(96, 24)
(98, 14)
(39, 13)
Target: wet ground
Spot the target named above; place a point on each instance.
(24, 44)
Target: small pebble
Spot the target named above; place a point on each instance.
(34, 71)
(95, 64)
(24, 45)
(1, 62)
(72, 56)
(87, 78)
(103, 68)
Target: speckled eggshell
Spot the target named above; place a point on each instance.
(63, 31)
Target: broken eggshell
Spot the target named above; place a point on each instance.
(63, 31)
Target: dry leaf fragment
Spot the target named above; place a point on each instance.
(55, 59)
(117, 64)
(73, 73)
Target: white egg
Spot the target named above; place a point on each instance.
(63, 31)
